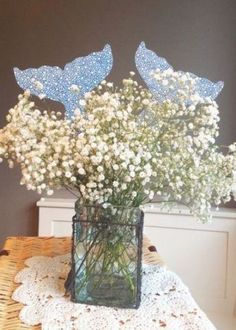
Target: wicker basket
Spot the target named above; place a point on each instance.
(16, 250)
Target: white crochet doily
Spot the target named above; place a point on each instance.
(166, 301)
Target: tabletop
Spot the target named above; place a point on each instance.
(16, 250)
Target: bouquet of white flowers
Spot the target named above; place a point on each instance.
(125, 148)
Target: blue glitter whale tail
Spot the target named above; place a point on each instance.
(67, 85)
(147, 61)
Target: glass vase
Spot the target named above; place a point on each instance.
(106, 256)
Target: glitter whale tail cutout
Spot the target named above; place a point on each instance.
(147, 62)
(83, 74)
(67, 85)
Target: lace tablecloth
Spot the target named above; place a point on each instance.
(166, 301)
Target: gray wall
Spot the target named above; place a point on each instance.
(194, 35)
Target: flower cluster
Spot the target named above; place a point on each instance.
(125, 147)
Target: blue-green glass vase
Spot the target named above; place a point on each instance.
(106, 256)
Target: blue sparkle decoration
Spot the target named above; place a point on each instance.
(67, 86)
(147, 61)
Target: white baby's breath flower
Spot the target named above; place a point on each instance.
(82, 103)
(38, 84)
(116, 167)
(124, 186)
(42, 96)
(115, 184)
(232, 148)
(74, 88)
(145, 102)
(127, 178)
(81, 171)
(100, 168)
(50, 192)
(151, 194)
(101, 177)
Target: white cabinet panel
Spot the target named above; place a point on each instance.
(55, 221)
(61, 228)
(196, 256)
